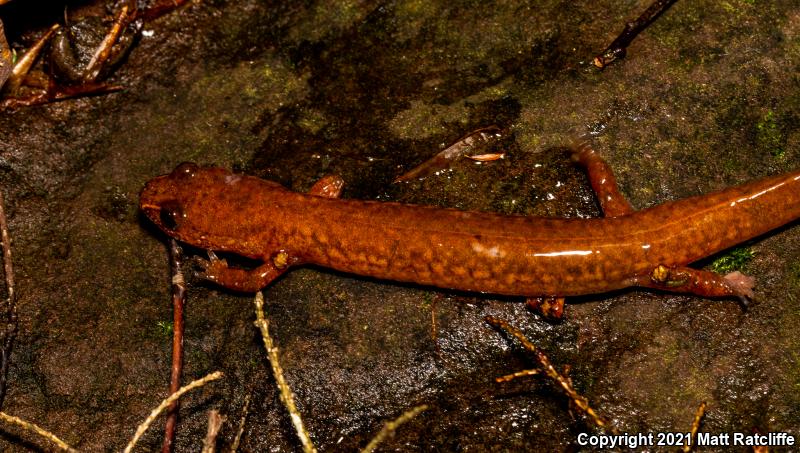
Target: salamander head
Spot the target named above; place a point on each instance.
(160, 198)
(196, 205)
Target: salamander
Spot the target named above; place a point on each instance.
(214, 209)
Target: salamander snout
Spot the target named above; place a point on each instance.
(161, 198)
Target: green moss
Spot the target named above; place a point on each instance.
(796, 371)
(732, 165)
(164, 328)
(422, 120)
(312, 120)
(733, 260)
(769, 135)
(794, 275)
(227, 106)
(327, 20)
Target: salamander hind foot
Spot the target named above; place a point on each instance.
(741, 284)
(700, 282)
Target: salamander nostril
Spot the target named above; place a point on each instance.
(171, 215)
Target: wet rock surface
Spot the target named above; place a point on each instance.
(708, 97)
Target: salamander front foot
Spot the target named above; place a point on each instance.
(209, 269)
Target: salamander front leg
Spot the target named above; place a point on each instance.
(328, 186)
(252, 280)
(603, 182)
(697, 281)
(550, 307)
(242, 280)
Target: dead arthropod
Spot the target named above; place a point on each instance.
(459, 148)
(82, 53)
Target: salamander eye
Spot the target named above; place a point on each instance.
(184, 170)
(171, 215)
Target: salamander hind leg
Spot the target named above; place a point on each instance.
(602, 179)
(699, 282)
(328, 186)
(549, 307)
(238, 279)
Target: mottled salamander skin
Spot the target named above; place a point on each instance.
(214, 209)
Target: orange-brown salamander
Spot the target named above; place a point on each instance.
(214, 209)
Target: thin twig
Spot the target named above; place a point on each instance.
(103, 51)
(31, 427)
(698, 417)
(390, 427)
(26, 61)
(11, 320)
(178, 298)
(58, 94)
(215, 422)
(164, 404)
(518, 374)
(618, 48)
(287, 397)
(6, 64)
(160, 8)
(545, 365)
(240, 431)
